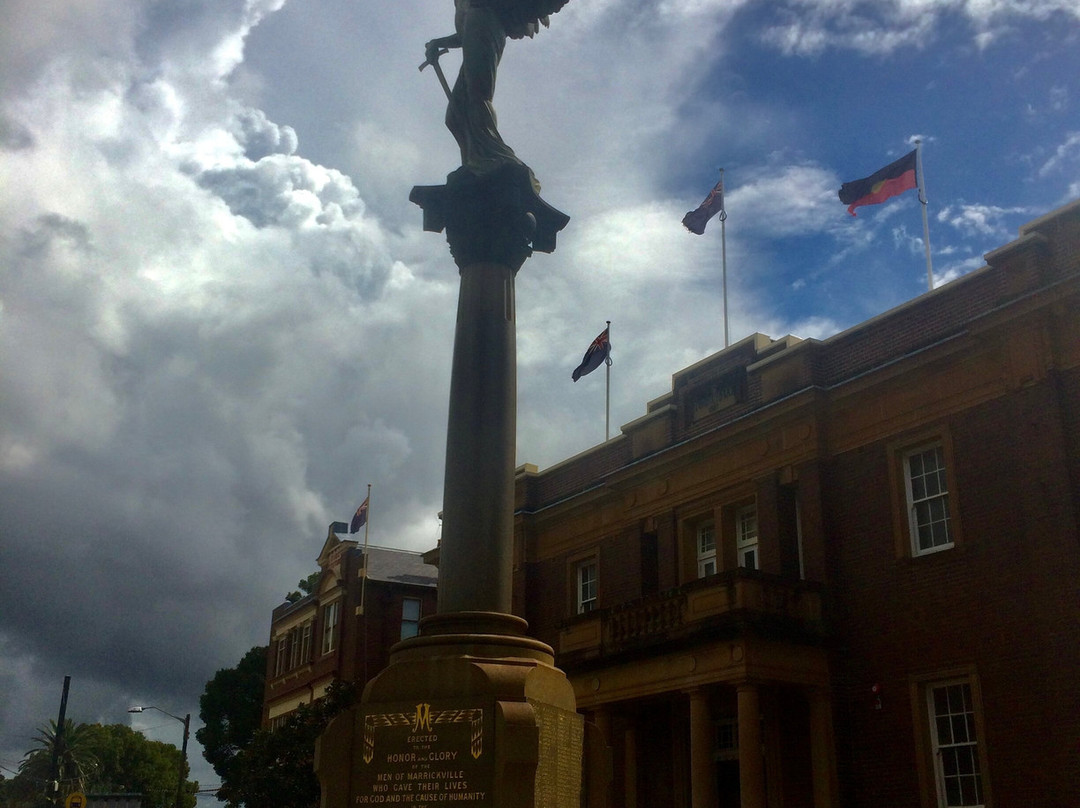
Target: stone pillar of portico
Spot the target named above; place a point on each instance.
(702, 768)
(751, 761)
(599, 764)
(602, 718)
(630, 795)
(822, 749)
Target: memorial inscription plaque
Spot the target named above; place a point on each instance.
(427, 753)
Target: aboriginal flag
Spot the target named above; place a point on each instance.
(597, 354)
(695, 220)
(894, 179)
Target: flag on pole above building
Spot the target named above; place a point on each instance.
(888, 182)
(598, 353)
(695, 220)
(360, 517)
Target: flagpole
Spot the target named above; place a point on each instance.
(367, 526)
(925, 222)
(607, 393)
(723, 254)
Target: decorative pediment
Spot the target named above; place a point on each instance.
(330, 556)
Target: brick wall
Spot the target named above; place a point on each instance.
(1005, 600)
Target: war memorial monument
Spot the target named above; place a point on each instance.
(472, 711)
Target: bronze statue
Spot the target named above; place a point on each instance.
(480, 30)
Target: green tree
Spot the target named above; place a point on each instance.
(99, 759)
(75, 762)
(129, 762)
(277, 768)
(307, 586)
(22, 792)
(231, 710)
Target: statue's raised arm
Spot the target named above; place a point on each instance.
(481, 28)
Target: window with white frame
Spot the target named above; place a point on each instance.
(706, 548)
(927, 499)
(281, 664)
(586, 586)
(746, 536)
(331, 613)
(955, 745)
(305, 642)
(294, 648)
(410, 617)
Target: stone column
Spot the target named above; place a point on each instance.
(823, 749)
(599, 782)
(602, 718)
(751, 761)
(702, 742)
(475, 556)
(493, 223)
(472, 709)
(630, 795)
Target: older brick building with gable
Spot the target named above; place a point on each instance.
(345, 628)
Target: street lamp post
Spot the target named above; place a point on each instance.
(186, 721)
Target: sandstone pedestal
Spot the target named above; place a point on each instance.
(472, 714)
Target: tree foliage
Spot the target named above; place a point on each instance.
(97, 759)
(130, 763)
(231, 710)
(277, 767)
(75, 763)
(307, 586)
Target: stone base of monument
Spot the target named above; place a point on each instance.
(472, 713)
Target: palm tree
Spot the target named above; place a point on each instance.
(75, 760)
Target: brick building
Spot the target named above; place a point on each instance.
(344, 629)
(836, 573)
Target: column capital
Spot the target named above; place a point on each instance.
(497, 217)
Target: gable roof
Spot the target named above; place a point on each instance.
(400, 566)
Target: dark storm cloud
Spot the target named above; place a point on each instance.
(154, 503)
(13, 135)
(47, 229)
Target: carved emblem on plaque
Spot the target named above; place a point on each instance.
(424, 719)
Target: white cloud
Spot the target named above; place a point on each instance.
(955, 269)
(1067, 154)
(786, 200)
(816, 328)
(910, 242)
(809, 27)
(981, 220)
(1059, 98)
(204, 343)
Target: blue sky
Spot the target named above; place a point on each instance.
(220, 319)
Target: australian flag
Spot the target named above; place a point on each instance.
(695, 220)
(360, 517)
(599, 353)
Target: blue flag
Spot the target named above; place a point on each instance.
(360, 517)
(695, 220)
(599, 353)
